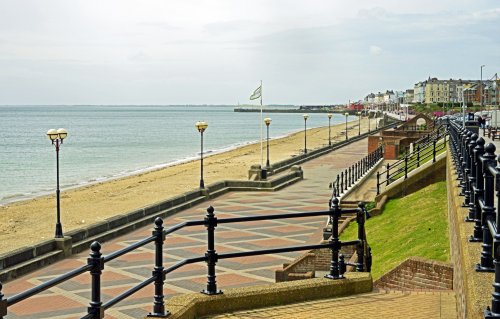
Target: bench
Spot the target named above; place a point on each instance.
(493, 133)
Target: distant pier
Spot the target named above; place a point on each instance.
(240, 109)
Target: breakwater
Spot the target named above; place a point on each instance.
(265, 110)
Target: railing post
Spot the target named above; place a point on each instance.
(211, 254)
(97, 262)
(466, 168)
(387, 175)
(342, 266)
(159, 304)
(335, 213)
(342, 181)
(434, 151)
(360, 249)
(3, 303)
(406, 167)
(353, 175)
(349, 178)
(475, 150)
(337, 185)
(378, 183)
(459, 162)
(485, 185)
(418, 155)
(471, 184)
(494, 312)
(346, 179)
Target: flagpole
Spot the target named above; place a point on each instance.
(261, 134)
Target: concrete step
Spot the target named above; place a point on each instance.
(121, 230)
(30, 265)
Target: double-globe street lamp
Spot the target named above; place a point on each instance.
(346, 115)
(57, 137)
(306, 116)
(268, 121)
(201, 126)
(329, 129)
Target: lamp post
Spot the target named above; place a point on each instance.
(359, 123)
(57, 137)
(329, 129)
(268, 122)
(201, 126)
(346, 115)
(481, 96)
(306, 116)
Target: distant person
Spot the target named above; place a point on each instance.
(481, 121)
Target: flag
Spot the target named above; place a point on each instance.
(256, 94)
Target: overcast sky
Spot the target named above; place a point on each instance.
(216, 52)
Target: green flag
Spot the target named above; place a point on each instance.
(256, 94)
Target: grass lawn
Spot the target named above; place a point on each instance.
(415, 225)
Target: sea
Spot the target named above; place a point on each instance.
(110, 141)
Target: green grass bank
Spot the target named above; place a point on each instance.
(415, 225)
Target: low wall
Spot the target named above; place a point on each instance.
(428, 173)
(464, 302)
(196, 305)
(418, 273)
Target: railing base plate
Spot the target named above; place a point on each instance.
(206, 292)
(484, 269)
(159, 315)
(333, 277)
(490, 315)
(472, 239)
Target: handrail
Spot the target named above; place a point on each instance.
(96, 262)
(46, 285)
(431, 146)
(346, 178)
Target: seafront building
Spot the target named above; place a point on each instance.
(434, 90)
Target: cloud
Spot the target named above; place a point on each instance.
(375, 50)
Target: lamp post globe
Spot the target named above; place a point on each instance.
(330, 115)
(267, 121)
(201, 126)
(306, 116)
(346, 115)
(57, 137)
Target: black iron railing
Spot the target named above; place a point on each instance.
(96, 262)
(478, 173)
(350, 175)
(425, 149)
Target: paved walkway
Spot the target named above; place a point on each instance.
(374, 305)
(70, 299)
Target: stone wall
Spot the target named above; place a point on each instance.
(455, 242)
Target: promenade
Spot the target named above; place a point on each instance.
(69, 300)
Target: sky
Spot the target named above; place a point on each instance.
(217, 52)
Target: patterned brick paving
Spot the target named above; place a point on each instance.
(70, 299)
(375, 305)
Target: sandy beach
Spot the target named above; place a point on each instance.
(28, 222)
